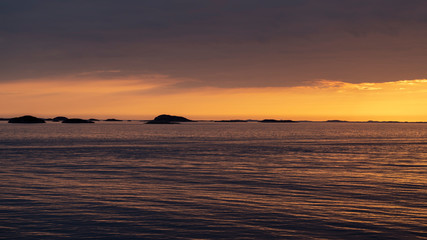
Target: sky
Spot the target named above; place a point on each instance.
(215, 59)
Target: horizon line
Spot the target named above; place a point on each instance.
(236, 119)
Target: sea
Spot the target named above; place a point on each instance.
(211, 180)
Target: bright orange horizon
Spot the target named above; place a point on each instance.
(143, 97)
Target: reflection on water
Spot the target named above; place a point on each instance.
(213, 180)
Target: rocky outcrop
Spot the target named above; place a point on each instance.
(26, 119)
(168, 119)
(76, 120)
(113, 120)
(59, 119)
(275, 121)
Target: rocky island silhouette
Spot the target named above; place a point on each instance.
(113, 120)
(76, 120)
(276, 121)
(26, 119)
(168, 119)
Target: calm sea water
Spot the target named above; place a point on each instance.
(213, 181)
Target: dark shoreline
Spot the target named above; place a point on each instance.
(231, 121)
(278, 122)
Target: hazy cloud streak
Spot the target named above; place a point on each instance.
(218, 43)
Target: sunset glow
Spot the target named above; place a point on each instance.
(302, 60)
(143, 98)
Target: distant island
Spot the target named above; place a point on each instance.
(168, 119)
(59, 119)
(276, 121)
(113, 120)
(26, 119)
(232, 121)
(76, 120)
(337, 121)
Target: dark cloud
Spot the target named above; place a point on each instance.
(220, 43)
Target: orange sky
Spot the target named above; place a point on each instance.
(145, 96)
(300, 60)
